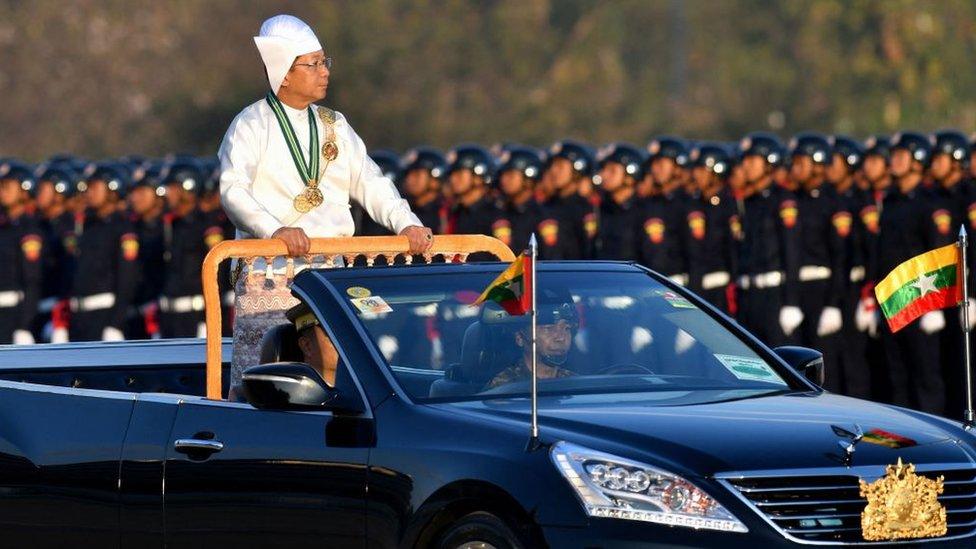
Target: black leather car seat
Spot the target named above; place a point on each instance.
(280, 344)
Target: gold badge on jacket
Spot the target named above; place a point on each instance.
(902, 505)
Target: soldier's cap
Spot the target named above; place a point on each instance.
(302, 317)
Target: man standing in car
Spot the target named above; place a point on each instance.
(289, 169)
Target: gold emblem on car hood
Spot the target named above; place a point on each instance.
(902, 505)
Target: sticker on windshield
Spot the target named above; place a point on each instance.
(372, 304)
(749, 368)
(358, 291)
(675, 300)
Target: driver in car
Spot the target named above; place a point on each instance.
(319, 351)
(557, 324)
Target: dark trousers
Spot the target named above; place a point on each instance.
(179, 324)
(88, 325)
(813, 300)
(759, 313)
(717, 297)
(914, 368)
(853, 351)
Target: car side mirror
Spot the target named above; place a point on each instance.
(292, 386)
(808, 362)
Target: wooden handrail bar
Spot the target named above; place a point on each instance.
(389, 247)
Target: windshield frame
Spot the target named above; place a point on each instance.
(794, 380)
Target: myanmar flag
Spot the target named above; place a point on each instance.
(513, 288)
(924, 283)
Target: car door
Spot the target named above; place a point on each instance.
(263, 478)
(59, 465)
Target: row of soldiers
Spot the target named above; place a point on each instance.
(787, 238)
(108, 250)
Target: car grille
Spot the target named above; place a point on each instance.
(826, 508)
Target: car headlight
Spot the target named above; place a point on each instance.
(615, 487)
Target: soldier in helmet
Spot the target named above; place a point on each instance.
(825, 227)
(842, 174)
(952, 191)
(55, 187)
(621, 167)
(188, 234)
(520, 169)
(146, 207)
(470, 171)
(423, 169)
(209, 206)
(912, 224)
(663, 231)
(21, 246)
(568, 165)
(104, 282)
(769, 256)
(713, 227)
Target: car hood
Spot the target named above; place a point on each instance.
(728, 432)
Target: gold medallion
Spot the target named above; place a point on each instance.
(902, 505)
(302, 204)
(314, 196)
(330, 151)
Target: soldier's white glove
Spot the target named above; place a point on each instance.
(790, 318)
(23, 337)
(202, 329)
(866, 316)
(830, 321)
(971, 307)
(112, 334)
(59, 335)
(932, 322)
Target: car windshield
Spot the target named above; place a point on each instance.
(597, 332)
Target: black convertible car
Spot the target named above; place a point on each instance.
(661, 423)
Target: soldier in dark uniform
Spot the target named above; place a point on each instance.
(824, 229)
(848, 156)
(188, 234)
(470, 171)
(519, 171)
(55, 186)
(21, 247)
(712, 227)
(770, 251)
(423, 170)
(570, 163)
(106, 274)
(911, 224)
(621, 167)
(953, 192)
(663, 232)
(146, 215)
(209, 205)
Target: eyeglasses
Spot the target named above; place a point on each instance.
(326, 62)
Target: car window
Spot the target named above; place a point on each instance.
(597, 332)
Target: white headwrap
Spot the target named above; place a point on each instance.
(281, 40)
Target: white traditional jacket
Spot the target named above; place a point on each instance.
(259, 181)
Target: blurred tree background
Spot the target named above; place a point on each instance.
(113, 77)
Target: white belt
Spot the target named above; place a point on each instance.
(718, 279)
(813, 273)
(11, 298)
(857, 274)
(182, 304)
(772, 279)
(680, 278)
(93, 302)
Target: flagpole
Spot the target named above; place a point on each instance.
(533, 247)
(964, 315)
